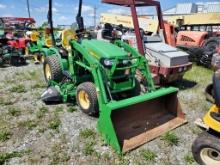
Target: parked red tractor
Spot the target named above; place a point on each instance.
(13, 40)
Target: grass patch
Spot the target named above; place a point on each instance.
(189, 159)
(59, 158)
(59, 154)
(87, 133)
(32, 73)
(14, 111)
(89, 148)
(39, 85)
(71, 109)
(18, 89)
(4, 135)
(41, 130)
(170, 138)
(41, 112)
(199, 74)
(6, 156)
(4, 101)
(29, 124)
(148, 155)
(44, 109)
(59, 109)
(54, 123)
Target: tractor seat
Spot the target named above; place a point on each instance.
(67, 36)
(107, 31)
(34, 36)
(48, 42)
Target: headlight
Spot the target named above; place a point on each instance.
(134, 61)
(125, 62)
(108, 62)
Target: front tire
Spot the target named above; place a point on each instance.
(86, 98)
(52, 69)
(206, 149)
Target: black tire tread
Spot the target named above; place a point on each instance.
(205, 139)
(55, 66)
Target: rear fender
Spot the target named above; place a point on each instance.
(13, 44)
(22, 42)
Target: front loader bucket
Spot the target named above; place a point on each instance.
(129, 123)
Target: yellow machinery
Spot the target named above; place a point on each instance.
(194, 19)
(206, 147)
(151, 25)
(146, 23)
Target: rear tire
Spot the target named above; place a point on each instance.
(206, 149)
(210, 47)
(86, 98)
(195, 54)
(211, 44)
(52, 69)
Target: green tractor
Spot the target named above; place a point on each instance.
(104, 79)
(38, 45)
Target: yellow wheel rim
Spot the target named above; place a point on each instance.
(48, 72)
(83, 98)
(210, 156)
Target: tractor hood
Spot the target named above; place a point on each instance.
(102, 49)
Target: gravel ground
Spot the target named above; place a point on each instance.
(34, 133)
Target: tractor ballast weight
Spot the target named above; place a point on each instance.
(101, 77)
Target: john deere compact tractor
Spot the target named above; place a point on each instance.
(101, 77)
(38, 45)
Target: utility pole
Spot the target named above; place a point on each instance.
(95, 8)
(28, 9)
